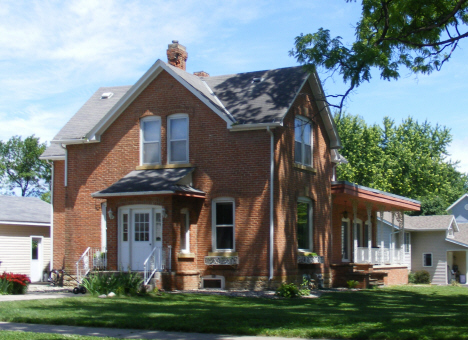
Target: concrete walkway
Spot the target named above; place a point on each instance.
(126, 333)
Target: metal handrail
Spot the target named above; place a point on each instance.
(85, 259)
(150, 264)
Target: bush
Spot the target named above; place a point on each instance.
(120, 284)
(352, 284)
(14, 283)
(411, 277)
(290, 290)
(422, 277)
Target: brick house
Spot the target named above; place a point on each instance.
(211, 181)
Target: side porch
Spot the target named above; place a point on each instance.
(363, 250)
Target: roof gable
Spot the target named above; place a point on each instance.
(247, 100)
(457, 202)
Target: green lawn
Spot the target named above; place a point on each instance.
(7, 335)
(392, 313)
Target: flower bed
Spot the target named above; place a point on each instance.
(14, 283)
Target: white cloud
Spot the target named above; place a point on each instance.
(459, 152)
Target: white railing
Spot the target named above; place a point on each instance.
(158, 260)
(92, 259)
(379, 256)
(82, 265)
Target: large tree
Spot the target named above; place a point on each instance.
(20, 166)
(409, 159)
(418, 35)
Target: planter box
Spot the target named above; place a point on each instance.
(221, 260)
(309, 259)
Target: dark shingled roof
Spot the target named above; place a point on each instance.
(140, 182)
(24, 210)
(260, 96)
(91, 113)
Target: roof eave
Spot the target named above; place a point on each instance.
(52, 158)
(456, 242)
(254, 126)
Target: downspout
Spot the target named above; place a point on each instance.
(272, 225)
(66, 165)
(52, 217)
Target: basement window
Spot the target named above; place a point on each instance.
(213, 282)
(106, 95)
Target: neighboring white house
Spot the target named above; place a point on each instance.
(25, 236)
(437, 244)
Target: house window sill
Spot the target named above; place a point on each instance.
(305, 168)
(186, 255)
(167, 166)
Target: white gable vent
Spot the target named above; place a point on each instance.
(106, 95)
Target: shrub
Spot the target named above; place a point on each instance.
(422, 277)
(352, 284)
(411, 277)
(17, 283)
(120, 284)
(288, 290)
(455, 283)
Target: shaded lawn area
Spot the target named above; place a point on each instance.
(405, 312)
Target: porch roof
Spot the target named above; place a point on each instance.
(344, 191)
(152, 182)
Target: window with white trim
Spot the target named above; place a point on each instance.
(407, 242)
(427, 260)
(185, 232)
(304, 224)
(150, 140)
(223, 215)
(178, 138)
(302, 141)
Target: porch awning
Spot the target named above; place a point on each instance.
(344, 192)
(152, 182)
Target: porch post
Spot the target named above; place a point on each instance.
(382, 242)
(392, 239)
(401, 221)
(355, 241)
(369, 231)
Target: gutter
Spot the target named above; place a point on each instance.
(272, 225)
(255, 126)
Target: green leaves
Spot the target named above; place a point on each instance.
(21, 168)
(414, 34)
(409, 159)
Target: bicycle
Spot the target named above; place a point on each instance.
(56, 279)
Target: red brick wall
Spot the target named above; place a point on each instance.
(395, 275)
(228, 164)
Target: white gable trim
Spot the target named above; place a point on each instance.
(458, 201)
(26, 223)
(136, 90)
(457, 242)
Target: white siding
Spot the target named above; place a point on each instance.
(432, 242)
(15, 247)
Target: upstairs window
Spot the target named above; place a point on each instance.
(178, 139)
(302, 141)
(150, 132)
(304, 224)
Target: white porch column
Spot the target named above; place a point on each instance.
(392, 244)
(401, 225)
(355, 241)
(369, 231)
(381, 236)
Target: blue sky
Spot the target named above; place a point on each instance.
(55, 54)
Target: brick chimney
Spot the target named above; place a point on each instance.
(201, 74)
(176, 54)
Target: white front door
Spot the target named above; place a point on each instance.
(36, 259)
(142, 236)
